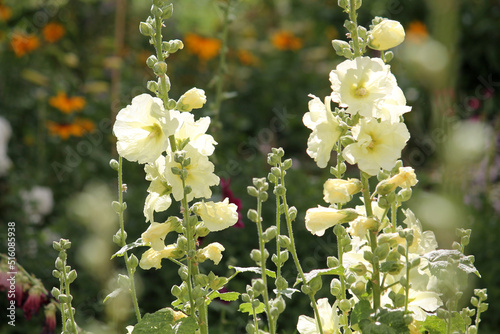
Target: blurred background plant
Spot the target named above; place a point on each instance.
(66, 66)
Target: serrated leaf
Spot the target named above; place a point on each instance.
(256, 270)
(113, 294)
(159, 322)
(288, 292)
(319, 272)
(438, 260)
(186, 325)
(247, 308)
(126, 248)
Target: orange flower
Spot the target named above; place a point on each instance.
(247, 58)
(205, 48)
(285, 40)
(80, 127)
(52, 32)
(5, 13)
(67, 104)
(417, 32)
(23, 44)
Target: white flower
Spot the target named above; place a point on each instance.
(195, 131)
(142, 129)
(423, 241)
(328, 316)
(339, 190)
(386, 35)
(360, 226)
(320, 218)
(159, 190)
(5, 133)
(362, 84)
(378, 145)
(393, 106)
(217, 216)
(200, 175)
(213, 252)
(326, 130)
(37, 202)
(192, 99)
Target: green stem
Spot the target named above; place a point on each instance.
(130, 270)
(190, 250)
(394, 211)
(342, 282)
(158, 39)
(64, 276)
(407, 285)
(354, 32)
(202, 309)
(293, 250)
(262, 249)
(278, 247)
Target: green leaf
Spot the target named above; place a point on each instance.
(247, 308)
(439, 260)
(384, 322)
(187, 325)
(319, 272)
(159, 322)
(226, 296)
(361, 311)
(433, 325)
(256, 270)
(126, 248)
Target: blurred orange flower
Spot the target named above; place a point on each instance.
(67, 104)
(65, 130)
(417, 32)
(5, 13)
(23, 44)
(247, 58)
(52, 32)
(205, 48)
(285, 40)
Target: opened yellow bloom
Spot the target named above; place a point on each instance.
(325, 130)
(378, 145)
(386, 35)
(213, 252)
(155, 234)
(217, 216)
(339, 190)
(406, 178)
(152, 258)
(360, 226)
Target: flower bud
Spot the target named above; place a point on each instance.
(335, 287)
(192, 99)
(339, 190)
(386, 35)
(146, 29)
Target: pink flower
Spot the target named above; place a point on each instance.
(50, 319)
(33, 302)
(226, 192)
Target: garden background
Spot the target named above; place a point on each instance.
(67, 67)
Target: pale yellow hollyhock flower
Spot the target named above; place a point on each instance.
(200, 175)
(213, 252)
(155, 234)
(159, 190)
(325, 130)
(360, 226)
(192, 99)
(195, 131)
(320, 218)
(329, 319)
(362, 85)
(378, 145)
(142, 129)
(152, 258)
(339, 190)
(217, 216)
(386, 35)
(406, 178)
